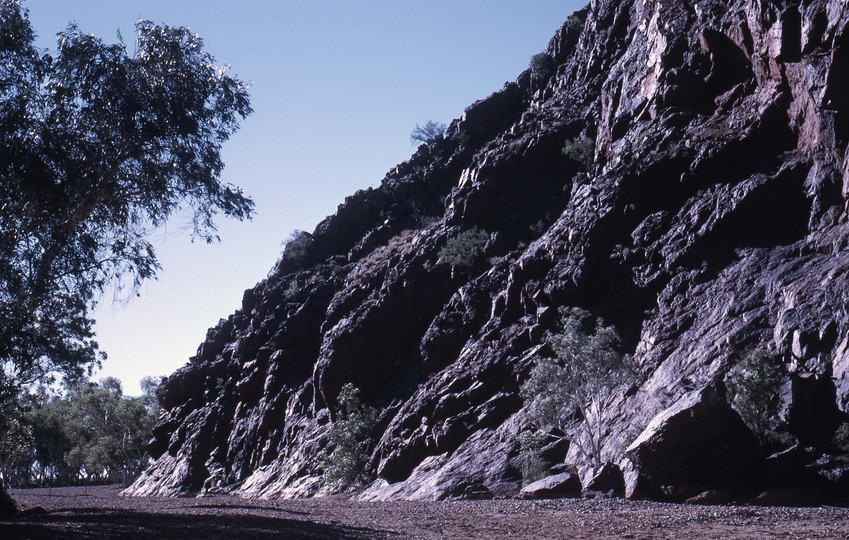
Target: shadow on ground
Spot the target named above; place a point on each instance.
(125, 524)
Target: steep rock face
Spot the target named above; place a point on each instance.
(712, 220)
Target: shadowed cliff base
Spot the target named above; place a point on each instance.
(100, 512)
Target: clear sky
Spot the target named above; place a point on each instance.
(336, 86)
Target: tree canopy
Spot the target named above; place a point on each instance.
(101, 143)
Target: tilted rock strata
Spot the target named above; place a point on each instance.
(712, 221)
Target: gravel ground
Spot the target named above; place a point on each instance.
(101, 512)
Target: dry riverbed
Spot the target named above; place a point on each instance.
(101, 512)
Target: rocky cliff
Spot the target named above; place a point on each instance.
(710, 219)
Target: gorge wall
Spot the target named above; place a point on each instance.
(712, 220)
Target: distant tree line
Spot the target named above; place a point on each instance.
(101, 144)
(91, 432)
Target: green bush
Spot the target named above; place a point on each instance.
(292, 290)
(343, 464)
(754, 390)
(631, 435)
(580, 150)
(533, 466)
(575, 23)
(462, 250)
(841, 437)
(541, 66)
(537, 228)
(296, 247)
(582, 377)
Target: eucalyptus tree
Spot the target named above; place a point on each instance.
(109, 431)
(101, 144)
(579, 381)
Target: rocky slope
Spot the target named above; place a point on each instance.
(711, 220)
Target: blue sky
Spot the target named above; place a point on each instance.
(336, 86)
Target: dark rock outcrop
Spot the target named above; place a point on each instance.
(7, 504)
(697, 443)
(556, 486)
(712, 497)
(605, 480)
(712, 220)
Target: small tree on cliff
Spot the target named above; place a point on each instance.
(582, 376)
(296, 247)
(542, 67)
(462, 250)
(580, 150)
(100, 145)
(428, 133)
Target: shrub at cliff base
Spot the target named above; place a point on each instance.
(754, 390)
(571, 390)
(345, 458)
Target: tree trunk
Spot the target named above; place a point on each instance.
(7, 503)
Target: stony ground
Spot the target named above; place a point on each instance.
(101, 512)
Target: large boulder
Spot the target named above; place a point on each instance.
(788, 468)
(179, 388)
(607, 479)
(698, 443)
(556, 486)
